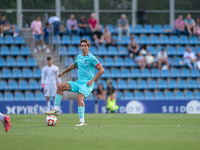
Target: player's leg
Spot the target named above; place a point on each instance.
(81, 109)
(48, 103)
(6, 121)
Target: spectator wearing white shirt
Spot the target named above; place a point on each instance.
(190, 58)
(150, 60)
(162, 58)
(55, 21)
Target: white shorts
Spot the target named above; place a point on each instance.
(50, 90)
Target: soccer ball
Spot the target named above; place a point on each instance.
(51, 120)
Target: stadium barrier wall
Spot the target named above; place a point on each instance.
(125, 106)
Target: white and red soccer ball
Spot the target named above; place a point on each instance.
(51, 120)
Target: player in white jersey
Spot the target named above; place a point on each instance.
(49, 85)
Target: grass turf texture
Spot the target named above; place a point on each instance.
(104, 131)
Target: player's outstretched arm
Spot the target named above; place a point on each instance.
(71, 67)
(100, 72)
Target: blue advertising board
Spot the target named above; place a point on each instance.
(89, 106)
(29, 107)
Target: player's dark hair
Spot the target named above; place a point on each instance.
(49, 58)
(46, 24)
(85, 41)
(37, 16)
(2, 15)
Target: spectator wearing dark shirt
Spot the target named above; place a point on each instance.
(99, 38)
(133, 48)
(110, 89)
(101, 93)
(72, 25)
(5, 26)
(123, 26)
(47, 30)
(83, 26)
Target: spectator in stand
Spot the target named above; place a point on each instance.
(83, 26)
(92, 23)
(162, 58)
(47, 30)
(180, 25)
(133, 48)
(150, 61)
(190, 58)
(5, 26)
(107, 36)
(198, 60)
(37, 31)
(72, 26)
(55, 21)
(101, 95)
(197, 26)
(140, 59)
(190, 25)
(98, 37)
(123, 26)
(110, 89)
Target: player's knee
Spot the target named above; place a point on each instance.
(59, 87)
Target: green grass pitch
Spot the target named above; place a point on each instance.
(104, 132)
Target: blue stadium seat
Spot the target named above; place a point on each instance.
(25, 50)
(172, 83)
(169, 95)
(184, 39)
(19, 96)
(103, 82)
(152, 83)
(119, 61)
(192, 83)
(135, 72)
(107, 73)
(102, 50)
(1, 40)
(128, 95)
(5, 50)
(21, 62)
(33, 84)
(66, 39)
(37, 73)
(138, 29)
(198, 49)
(122, 50)
(108, 61)
(148, 95)
(76, 39)
(195, 73)
(180, 50)
(125, 40)
(145, 73)
(87, 37)
(145, 39)
(8, 96)
(158, 28)
(155, 73)
(148, 28)
(6, 73)
(68, 61)
(3, 85)
(142, 84)
(177, 61)
(125, 72)
(197, 94)
(23, 85)
(39, 96)
(174, 39)
(162, 83)
(17, 73)
(199, 83)
(132, 84)
(137, 39)
(12, 85)
(112, 50)
(31, 62)
(62, 50)
(193, 39)
(72, 50)
(152, 49)
(155, 39)
(164, 39)
(193, 49)
(19, 40)
(75, 73)
(179, 95)
(128, 61)
(115, 73)
(159, 95)
(119, 95)
(121, 84)
(56, 39)
(182, 83)
(115, 38)
(185, 72)
(165, 73)
(1, 96)
(93, 50)
(14, 50)
(167, 27)
(10, 62)
(29, 96)
(159, 48)
(9, 39)
(27, 73)
(114, 84)
(139, 95)
(2, 62)
(171, 50)
(170, 60)
(175, 72)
